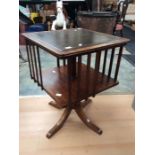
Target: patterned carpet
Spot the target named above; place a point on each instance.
(130, 47)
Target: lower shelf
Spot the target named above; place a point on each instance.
(55, 84)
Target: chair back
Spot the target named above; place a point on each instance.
(122, 8)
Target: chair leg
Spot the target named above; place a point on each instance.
(60, 123)
(86, 120)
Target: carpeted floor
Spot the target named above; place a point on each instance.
(130, 47)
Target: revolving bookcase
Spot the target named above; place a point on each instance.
(85, 67)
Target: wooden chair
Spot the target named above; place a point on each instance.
(122, 8)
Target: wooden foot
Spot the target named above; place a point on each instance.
(54, 104)
(87, 121)
(85, 102)
(59, 124)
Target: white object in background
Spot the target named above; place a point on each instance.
(25, 11)
(60, 18)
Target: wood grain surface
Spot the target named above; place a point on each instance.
(113, 113)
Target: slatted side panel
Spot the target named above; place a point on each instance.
(34, 62)
(105, 64)
(111, 62)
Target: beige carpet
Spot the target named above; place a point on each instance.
(112, 113)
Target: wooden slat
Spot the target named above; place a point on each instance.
(28, 56)
(58, 62)
(97, 66)
(40, 70)
(32, 63)
(69, 82)
(79, 78)
(73, 67)
(104, 62)
(111, 62)
(87, 75)
(118, 62)
(64, 62)
(35, 63)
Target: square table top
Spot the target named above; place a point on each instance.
(64, 43)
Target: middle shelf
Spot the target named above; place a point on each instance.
(55, 83)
